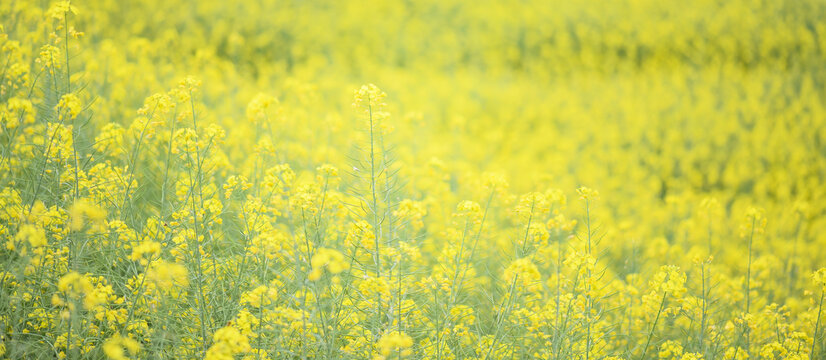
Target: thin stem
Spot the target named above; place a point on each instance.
(704, 308)
(501, 316)
(653, 326)
(376, 224)
(748, 290)
(476, 239)
(817, 326)
(68, 90)
(66, 39)
(588, 298)
(199, 272)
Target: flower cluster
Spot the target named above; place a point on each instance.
(196, 184)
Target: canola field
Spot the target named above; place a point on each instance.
(491, 179)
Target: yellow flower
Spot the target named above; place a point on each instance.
(236, 183)
(61, 9)
(147, 247)
(469, 211)
(34, 235)
(395, 342)
(532, 206)
(166, 275)
(75, 286)
(114, 347)
(670, 350)
(69, 105)
(522, 270)
(327, 170)
(74, 283)
(83, 212)
(495, 181)
(587, 194)
(753, 222)
(372, 286)
(258, 108)
(819, 278)
(260, 296)
(735, 353)
(157, 104)
(670, 280)
(18, 111)
(360, 234)
(412, 212)
(226, 343)
(330, 259)
(110, 141)
(370, 100)
(49, 58)
(185, 142)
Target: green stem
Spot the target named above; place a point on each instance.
(653, 326)
(748, 290)
(817, 326)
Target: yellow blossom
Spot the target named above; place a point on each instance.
(83, 212)
(395, 342)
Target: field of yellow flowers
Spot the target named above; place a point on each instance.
(537, 179)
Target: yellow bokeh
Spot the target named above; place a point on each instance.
(619, 179)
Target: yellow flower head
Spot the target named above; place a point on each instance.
(226, 343)
(259, 108)
(60, 9)
(329, 259)
(83, 212)
(167, 275)
(395, 342)
(587, 194)
(117, 347)
(69, 107)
